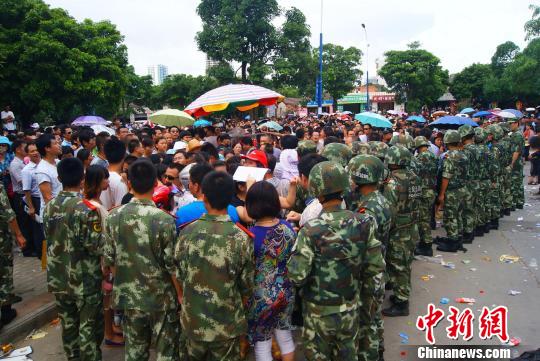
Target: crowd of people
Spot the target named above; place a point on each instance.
(151, 239)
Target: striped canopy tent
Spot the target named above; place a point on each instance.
(242, 97)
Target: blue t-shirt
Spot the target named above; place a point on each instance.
(260, 234)
(195, 210)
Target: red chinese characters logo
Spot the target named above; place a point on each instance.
(491, 323)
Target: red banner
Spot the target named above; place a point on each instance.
(383, 98)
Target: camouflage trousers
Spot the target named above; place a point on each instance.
(453, 213)
(228, 350)
(399, 257)
(483, 215)
(82, 326)
(141, 328)
(425, 206)
(371, 330)
(469, 211)
(495, 200)
(518, 191)
(506, 190)
(6, 273)
(331, 337)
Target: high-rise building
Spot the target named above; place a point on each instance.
(210, 63)
(158, 73)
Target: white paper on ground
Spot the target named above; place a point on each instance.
(243, 173)
(20, 352)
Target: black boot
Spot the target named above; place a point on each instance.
(439, 240)
(494, 224)
(423, 249)
(479, 231)
(397, 309)
(381, 355)
(486, 228)
(393, 299)
(506, 211)
(448, 245)
(513, 209)
(519, 206)
(468, 238)
(388, 286)
(8, 314)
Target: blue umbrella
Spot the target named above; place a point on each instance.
(202, 123)
(517, 113)
(373, 119)
(482, 113)
(416, 118)
(271, 125)
(453, 120)
(467, 111)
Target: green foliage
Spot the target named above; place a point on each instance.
(416, 77)
(532, 27)
(223, 73)
(340, 69)
(415, 45)
(178, 90)
(523, 74)
(55, 67)
(468, 85)
(504, 55)
(238, 30)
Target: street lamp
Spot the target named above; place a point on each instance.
(367, 68)
(319, 90)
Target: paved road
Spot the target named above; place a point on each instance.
(518, 235)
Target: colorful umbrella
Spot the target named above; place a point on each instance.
(439, 113)
(516, 112)
(452, 121)
(416, 118)
(482, 113)
(202, 123)
(271, 125)
(88, 120)
(467, 111)
(170, 117)
(506, 115)
(242, 97)
(373, 119)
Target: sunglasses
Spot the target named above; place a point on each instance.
(170, 177)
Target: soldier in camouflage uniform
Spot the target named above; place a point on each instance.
(367, 172)
(337, 263)
(403, 190)
(505, 146)
(358, 147)
(517, 142)
(215, 260)
(470, 204)
(139, 244)
(495, 133)
(378, 149)
(8, 221)
(452, 193)
(306, 147)
(338, 153)
(484, 182)
(427, 164)
(74, 249)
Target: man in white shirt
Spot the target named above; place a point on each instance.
(115, 152)
(31, 191)
(15, 171)
(8, 118)
(46, 173)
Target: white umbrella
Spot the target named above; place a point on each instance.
(530, 110)
(98, 128)
(506, 115)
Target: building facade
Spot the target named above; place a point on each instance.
(158, 73)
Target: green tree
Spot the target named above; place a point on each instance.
(238, 30)
(341, 69)
(222, 72)
(55, 67)
(468, 85)
(523, 74)
(416, 77)
(179, 90)
(415, 45)
(532, 27)
(504, 55)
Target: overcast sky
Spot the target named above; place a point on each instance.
(459, 32)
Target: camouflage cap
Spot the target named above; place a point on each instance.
(358, 147)
(337, 152)
(398, 155)
(306, 147)
(409, 142)
(496, 131)
(452, 136)
(504, 126)
(512, 120)
(421, 141)
(402, 139)
(366, 169)
(480, 135)
(378, 149)
(466, 130)
(327, 178)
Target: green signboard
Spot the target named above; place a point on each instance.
(353, 98)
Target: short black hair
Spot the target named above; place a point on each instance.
(129, 159)
(44, 141)
(246, 140)
(70, 172)
(307, 162)
(16, 144)
(101, 139)
(218, 188)
(271, 162)
(85, 135)
(331, 139)
(66, 149)
(300, 132)
(133, 144)
(83, 154)
(223, 137)
(115, 150)
(262, 200)
(142, 176)
(210, 149)
(289, 142)
(198, 172)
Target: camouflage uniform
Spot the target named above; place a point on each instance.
(338, 153)
(517, 142)
(471, 185)
(484, 182)
(74, 248)
(358, 147)
(378, 149)
(368, 169)
(306, 147)
(427, 164)
(403, 190)
(337, 263)
(6, 255)
(216, 268)
(506, 149)
(497, 165)
(139, 243)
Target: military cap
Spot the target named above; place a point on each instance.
(366, 169)
(337, 152)
(378, 149)
(358, 147)
(479, 135)
(306, 147)
(466, 130)
(398, 155)
(421, 141)
(327, 178)
(452, 136)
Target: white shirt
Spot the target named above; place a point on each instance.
(112, 197)
(29, 179)
(15, 171)
(312, 211)
(46, 172)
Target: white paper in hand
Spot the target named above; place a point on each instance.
(243, 173)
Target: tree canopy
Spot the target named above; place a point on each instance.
(469, 84)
